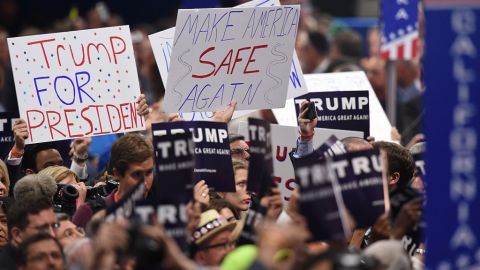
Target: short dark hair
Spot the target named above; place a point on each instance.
(29, 160)
(348, 43)
(131, 148)
(399, 160)
(39, 237)
(319, 42)
(233, 137)
(17, 215)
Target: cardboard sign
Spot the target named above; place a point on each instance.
(347, 110)
(213, 162)
(331, 147)
(284, 140)
(7, 139)
(76, 84)
(321, 201)
(162, 46)
(380, 127)
(174, 160)
(260, 164)
(220, 55)
(361, 182)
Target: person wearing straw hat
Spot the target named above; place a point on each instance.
(211, 239)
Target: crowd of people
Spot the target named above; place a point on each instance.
(42, 227)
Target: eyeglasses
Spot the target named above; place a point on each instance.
(220, 246)
(240, 151)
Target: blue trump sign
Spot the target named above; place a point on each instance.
(452, 76)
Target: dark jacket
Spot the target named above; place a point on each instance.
(8, 258)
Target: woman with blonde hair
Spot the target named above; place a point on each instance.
(4, 180)
(241, 198)
(63, 175)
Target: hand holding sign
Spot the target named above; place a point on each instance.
(175, 117)
(79, 149)
(226, 115)
(20, 133)
(142, 106)
(200, 192)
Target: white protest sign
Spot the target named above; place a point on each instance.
(162, 46)
(76, 84)
(284, 115)
(380, 127)
(220, 55)
(284, 139)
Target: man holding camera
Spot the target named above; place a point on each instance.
(131, 160)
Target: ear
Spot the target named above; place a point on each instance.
(17, 235)
(200, 258)
(394, 177)
(116, 173)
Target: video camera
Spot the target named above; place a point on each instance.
(65, 199)
(102, 190)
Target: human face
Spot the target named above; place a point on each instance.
(227, 214)
(240, 150)
(47, 158)
(3, 184)
(216, 249)
(44, 221)
(375, 69)
(134, 174)
(241, 198)
(44, 254)
(68, 232)
(3, 228)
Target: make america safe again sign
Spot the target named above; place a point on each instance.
(231, 54)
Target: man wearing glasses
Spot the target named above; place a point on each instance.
(26, 218)
(238, 147)
(211, 239)
(67, 232)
